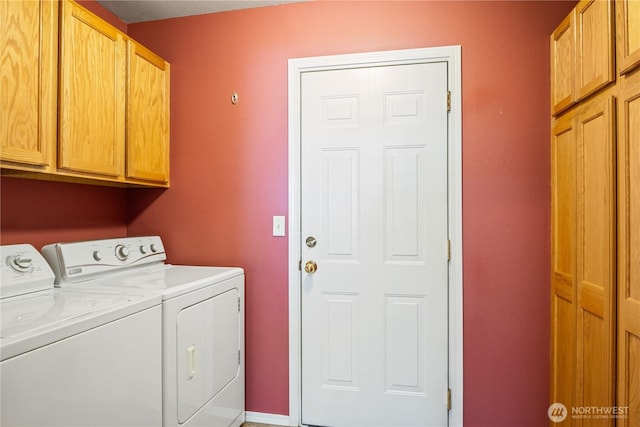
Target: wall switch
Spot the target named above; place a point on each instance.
(278, 226)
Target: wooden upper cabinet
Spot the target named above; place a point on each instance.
(628, 35)
(92, 94)
(582, 54)
(28, 61)
(595, 54)
(147, 116)
(563, 65)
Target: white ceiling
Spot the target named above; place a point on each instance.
(131, 11)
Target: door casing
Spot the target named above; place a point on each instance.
(297, 66)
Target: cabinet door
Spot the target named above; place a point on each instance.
(147, 116)
(92, 95)
(594, 46)
(563, 65)
(628, 34)
(28, 60)
(596, 255)
(629, 249)
(563, 261)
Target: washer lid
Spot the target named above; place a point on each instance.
(169, 280)
(40, 318)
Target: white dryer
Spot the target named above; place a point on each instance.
(203, 321)
(71, 357)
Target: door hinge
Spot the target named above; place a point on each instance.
(238, 304)
(238, 357)
(448, 100)
(448, 250)
(448, 399)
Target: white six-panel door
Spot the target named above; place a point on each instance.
(374, 200)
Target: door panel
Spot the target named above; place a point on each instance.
(374, 195)
(147, 115)
(563, 257)
(629, 249)
(28, 61)
(596, 254)
(92, 108)
(207, 351)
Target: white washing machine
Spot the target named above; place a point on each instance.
(75, 358)
(203, 321)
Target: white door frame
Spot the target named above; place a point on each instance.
(451, 55)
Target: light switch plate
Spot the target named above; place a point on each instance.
(278, 226)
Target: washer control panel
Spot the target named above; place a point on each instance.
(24, 270)
(77, 261)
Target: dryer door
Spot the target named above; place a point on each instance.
(207, 352)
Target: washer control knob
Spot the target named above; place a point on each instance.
(97, 255)
(143, 249)
(154, 249)
(20, 264)
(122, 253)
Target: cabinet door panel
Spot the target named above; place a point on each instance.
(147, 116)
(28, 59)
(563, 65)
(91, 128)
(594, 46)
(629, 249)
(628, 34)
(596, 255)
(563, 258)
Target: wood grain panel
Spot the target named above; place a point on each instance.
(147, 115)
(629, 248)
(563, 65)
(595, 53)
(594, 360)
(627, 35)
(563, 352)
(28, 60)
(563, 260)
(596, 254)
(92, 96)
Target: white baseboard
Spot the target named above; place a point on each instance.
(262, 418)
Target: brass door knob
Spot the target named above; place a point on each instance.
(310, 267)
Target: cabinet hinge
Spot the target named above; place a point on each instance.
(448, 250)
(448, 100)
(448, 399)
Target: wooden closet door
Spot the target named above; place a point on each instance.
(92, 96)
(563, 261)
(629, 250)
(596, 258)
(28, 61)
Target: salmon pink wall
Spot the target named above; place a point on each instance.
(41, 212)
(229, 172)
(229, 175)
